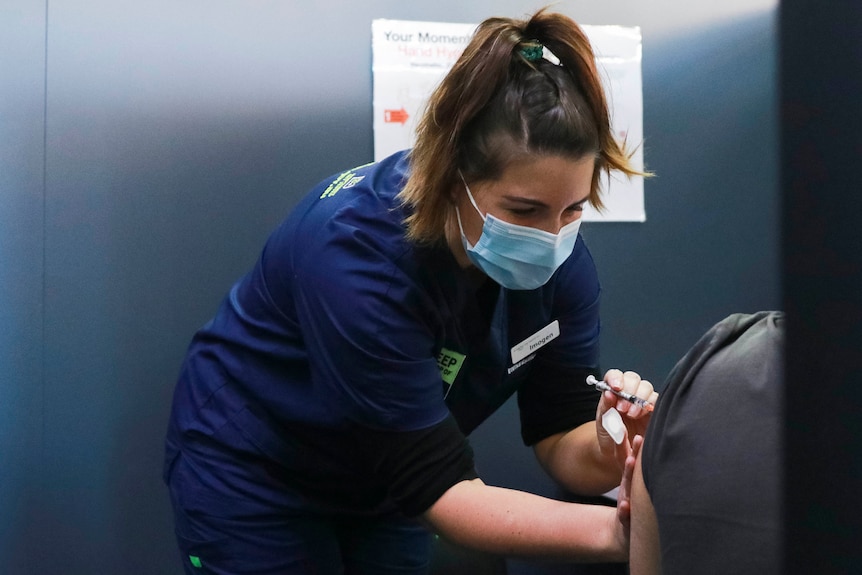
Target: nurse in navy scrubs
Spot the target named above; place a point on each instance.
(320, 421)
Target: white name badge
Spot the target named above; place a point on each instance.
(547, 334)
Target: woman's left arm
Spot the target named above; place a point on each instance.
(586, 460)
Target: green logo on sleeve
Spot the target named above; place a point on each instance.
(196, 561)
(345, 180)
(450, 363)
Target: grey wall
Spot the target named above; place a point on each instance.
(146, 150)
(22, 153)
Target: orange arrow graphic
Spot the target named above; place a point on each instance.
(395, 116)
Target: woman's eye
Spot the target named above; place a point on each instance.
(522, 211)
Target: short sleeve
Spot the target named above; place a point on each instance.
(711, 455)
(368, 328)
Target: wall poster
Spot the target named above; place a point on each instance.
(411, 57)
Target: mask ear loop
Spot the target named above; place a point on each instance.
(458, 212)
(472, 201)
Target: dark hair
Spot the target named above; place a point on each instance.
(498, 104)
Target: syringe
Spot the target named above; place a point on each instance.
(602, 386)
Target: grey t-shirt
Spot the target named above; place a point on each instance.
(712, 453)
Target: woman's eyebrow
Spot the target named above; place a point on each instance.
(523, 200)
(539, 203)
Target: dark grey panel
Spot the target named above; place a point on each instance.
(22, 97)
(821, 151)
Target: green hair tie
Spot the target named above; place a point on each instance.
(532, 51)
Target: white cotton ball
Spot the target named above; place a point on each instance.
(613, 424)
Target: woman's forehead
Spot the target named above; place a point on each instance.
(539, 176)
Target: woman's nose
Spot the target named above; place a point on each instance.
(558, 224)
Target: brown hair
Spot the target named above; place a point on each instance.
(498, 104)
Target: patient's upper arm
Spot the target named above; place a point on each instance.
(645, 554)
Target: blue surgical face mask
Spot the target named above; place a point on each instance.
(518, 257)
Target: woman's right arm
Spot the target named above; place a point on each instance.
(515, 523)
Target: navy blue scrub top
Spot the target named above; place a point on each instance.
(343, 326)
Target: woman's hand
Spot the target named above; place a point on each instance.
(634, 416)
